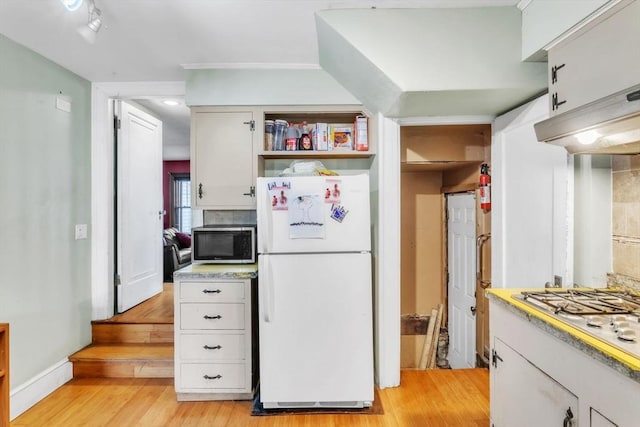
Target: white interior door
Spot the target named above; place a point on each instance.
(461, 250)
(139, 206)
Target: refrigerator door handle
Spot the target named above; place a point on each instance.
(267, 300)
(266, 221)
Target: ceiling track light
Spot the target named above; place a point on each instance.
(95, 17)
(89, 31)
(71, 5)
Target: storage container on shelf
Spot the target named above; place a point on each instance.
(292, 136)
(269, 133)
(280, 127)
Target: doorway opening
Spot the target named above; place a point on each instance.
(437, 160)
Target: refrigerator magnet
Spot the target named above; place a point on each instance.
(338, 212)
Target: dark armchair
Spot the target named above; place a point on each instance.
(177, 251)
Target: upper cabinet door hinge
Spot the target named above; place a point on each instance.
(252, 125)
(116, 123)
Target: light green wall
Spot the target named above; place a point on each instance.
(544, 20)
(264, 87)
(45, 154)
(430, 61)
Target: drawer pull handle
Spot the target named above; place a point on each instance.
(217, 377)
(215, 347)
(209, 291)
(216, 317)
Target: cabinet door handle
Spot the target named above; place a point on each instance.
(216, 377)
(568, 419)
(215, 347)
(216, 317)
(200, 190)
(554, 73)
(495, 358)
(211, 291)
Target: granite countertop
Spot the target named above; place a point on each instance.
(217, 271)
(619, 360)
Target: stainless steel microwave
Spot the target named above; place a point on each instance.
(224, 244)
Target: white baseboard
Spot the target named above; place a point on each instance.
(37, 388)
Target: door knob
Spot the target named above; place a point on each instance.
(473, 310)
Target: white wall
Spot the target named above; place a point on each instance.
(544, 20)
(530, 190)
(593, 250)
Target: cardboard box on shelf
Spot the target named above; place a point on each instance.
(361, 133)
(320, 137)
(341, 137)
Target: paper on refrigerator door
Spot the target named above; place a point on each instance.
(279, 195)
(306, 217)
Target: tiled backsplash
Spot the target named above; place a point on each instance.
(229, 217)
(626, 215)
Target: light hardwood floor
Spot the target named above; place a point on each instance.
(425, 398)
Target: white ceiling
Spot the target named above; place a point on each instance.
(155, 40)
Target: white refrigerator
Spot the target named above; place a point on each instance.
(315, 292)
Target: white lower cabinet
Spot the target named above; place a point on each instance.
(213, 340)
(542, 377)
(528, 396)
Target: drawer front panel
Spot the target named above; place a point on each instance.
(212, 316)
(212, 347)
(213, 375)
(212, 291)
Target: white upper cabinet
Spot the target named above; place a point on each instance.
(223, 165)
(597, 60)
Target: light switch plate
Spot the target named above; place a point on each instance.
(81, 231)
(63, 104)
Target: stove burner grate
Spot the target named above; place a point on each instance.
(585, 302)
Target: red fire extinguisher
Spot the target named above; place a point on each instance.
(485, 187)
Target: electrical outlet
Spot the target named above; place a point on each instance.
(557, 281)
(81, 231)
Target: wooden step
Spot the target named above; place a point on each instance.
(124, 361)
(132, 333)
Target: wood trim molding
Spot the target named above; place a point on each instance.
(102, 166)
(387, 286)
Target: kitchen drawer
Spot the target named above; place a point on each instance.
(212, 316)
(212, 291)
(213, 376)
(212, 347)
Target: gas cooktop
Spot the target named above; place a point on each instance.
(611, 316)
